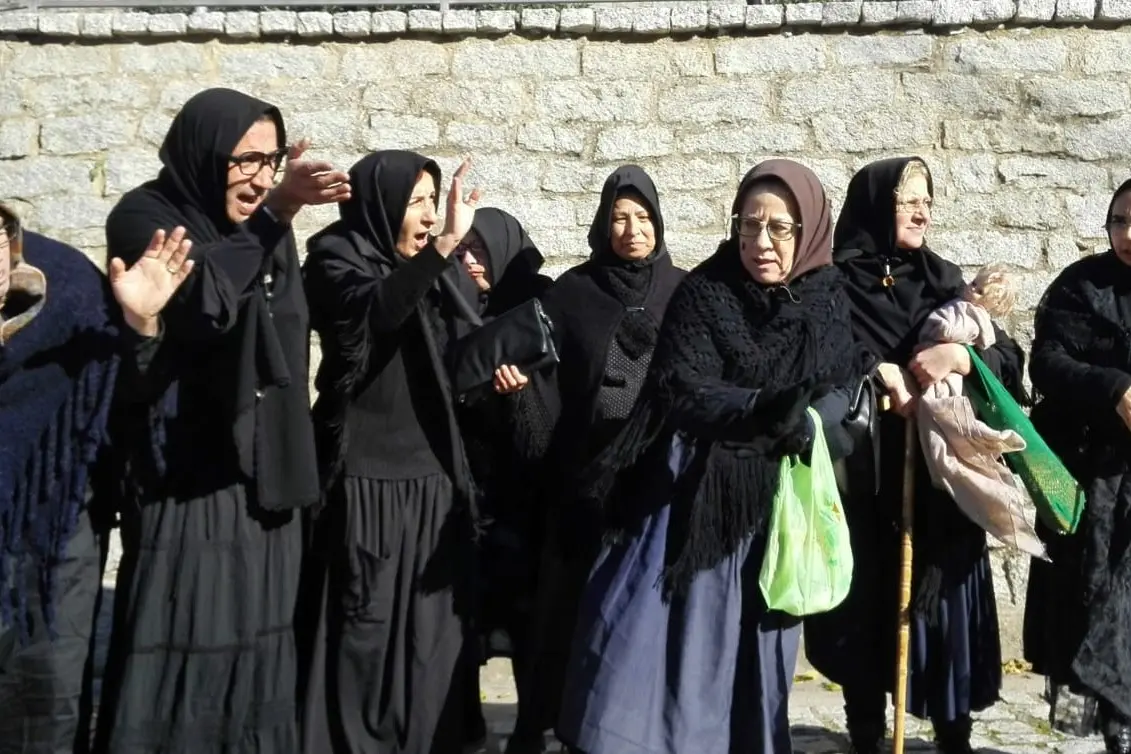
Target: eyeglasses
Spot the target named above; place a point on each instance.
(752, 227)
(250, 163)
(911, 206)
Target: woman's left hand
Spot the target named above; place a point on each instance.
(143, 289)
(509, 380)
(932, 364)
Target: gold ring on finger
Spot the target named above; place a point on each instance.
(171, 269)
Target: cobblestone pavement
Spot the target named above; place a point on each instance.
(1016, 725)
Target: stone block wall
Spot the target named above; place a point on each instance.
(1019, 106)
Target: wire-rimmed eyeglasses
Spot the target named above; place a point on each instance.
(752, 227)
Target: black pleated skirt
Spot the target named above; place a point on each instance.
(202, 653)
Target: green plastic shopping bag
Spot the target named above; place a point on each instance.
(807, 567)
(1056, 495)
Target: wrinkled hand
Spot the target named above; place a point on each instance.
(902, 388)
(307, 182)
(144, 289)
(460, 211)
(509, 380)
(932, 364)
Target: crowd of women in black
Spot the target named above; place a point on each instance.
(330, 579)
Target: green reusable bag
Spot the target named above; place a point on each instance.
(807, 567)
(1057, 496)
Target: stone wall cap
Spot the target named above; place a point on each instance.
(721, 17)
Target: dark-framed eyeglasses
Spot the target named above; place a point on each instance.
(752, 227)
(250, 163)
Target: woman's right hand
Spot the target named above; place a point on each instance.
(460, 212)
(1123, 408)
(901, 386)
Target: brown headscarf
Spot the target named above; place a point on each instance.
(815, 241)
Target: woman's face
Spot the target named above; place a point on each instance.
(1119, 227)
(768, 227)
(912, 213)
(251, 170)
(473, 254)
(632, 234)
(419, 217)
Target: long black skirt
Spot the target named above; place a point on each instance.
(202, 651)
(386, 675)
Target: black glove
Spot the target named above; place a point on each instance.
(799, 441)
(779, 413)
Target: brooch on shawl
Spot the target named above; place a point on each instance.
(888, 280)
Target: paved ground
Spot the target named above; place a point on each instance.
(1017, 725)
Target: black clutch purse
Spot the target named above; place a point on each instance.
(522, 337)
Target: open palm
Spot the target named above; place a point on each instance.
(144, 288)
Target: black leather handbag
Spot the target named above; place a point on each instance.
(862, 425)
(522, 337)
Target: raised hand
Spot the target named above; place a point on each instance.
(461, 211)
(307, 182)
(143, 289)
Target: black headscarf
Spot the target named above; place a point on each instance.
(241, 349)
(628, 281)
(725, 338)
(887, 319)
(512, 260)
(381, 186)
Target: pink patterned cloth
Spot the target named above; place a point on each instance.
(964, 455)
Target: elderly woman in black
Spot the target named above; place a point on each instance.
(676, 651)
(202, 653)
(1078, 608)
(387, 297)
(893, 282)
(606, 314)
(505, 264)
(203, 656)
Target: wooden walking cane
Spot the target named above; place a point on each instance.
(910, 442)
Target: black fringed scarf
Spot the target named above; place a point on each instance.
(628, 281)
(57, 376)
(725, 335)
